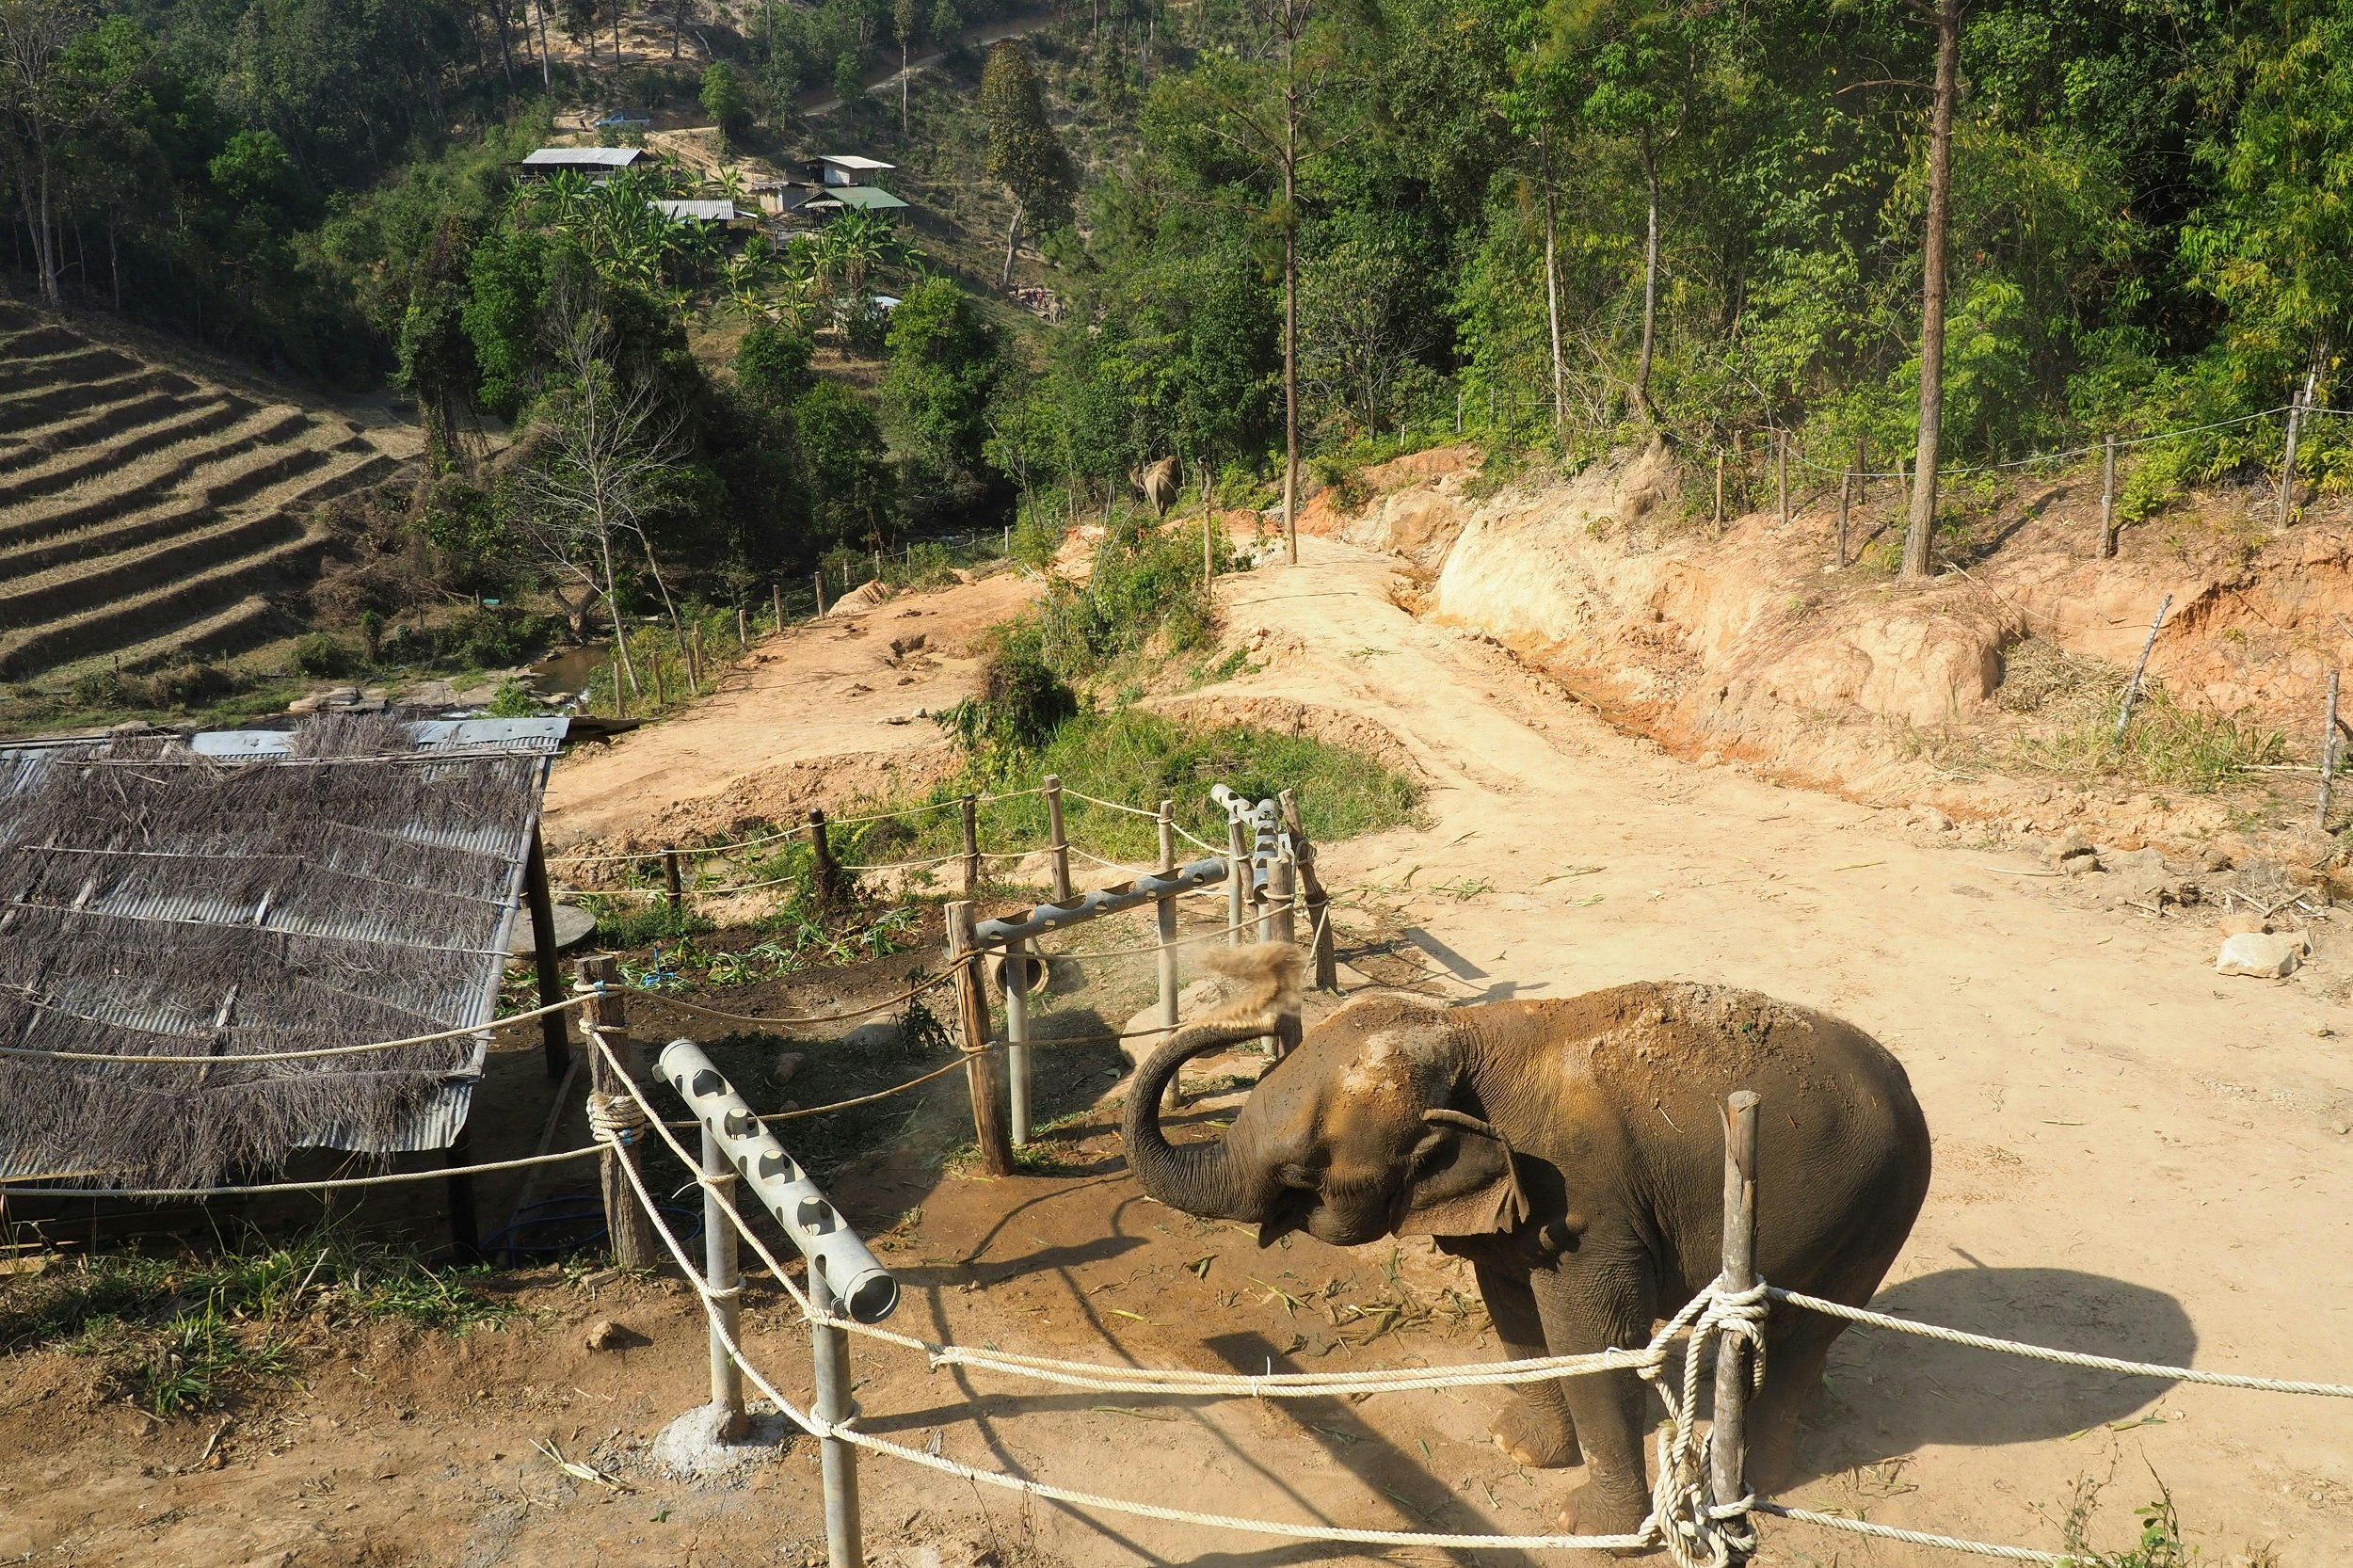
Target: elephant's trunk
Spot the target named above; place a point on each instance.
(1199, 1178)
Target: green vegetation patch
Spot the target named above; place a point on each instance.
(179, 1335)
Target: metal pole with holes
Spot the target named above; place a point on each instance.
(1058, 841)
(844, 1280)
(1017, 988)
(721, 1267)
(1727, 1444)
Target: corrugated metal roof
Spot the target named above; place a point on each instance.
(583, 157)
(873, 199)
(695, 211)
(853, 160)
(394, 927)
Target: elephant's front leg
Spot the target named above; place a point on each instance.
(1534, 1427)
(1586, 1306)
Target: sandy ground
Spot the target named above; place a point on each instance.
(822, 713)
(2134, 1157)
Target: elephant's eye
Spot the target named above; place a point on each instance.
(1299, 1176)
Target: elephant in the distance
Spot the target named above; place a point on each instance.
(1156, 482)
(1572, 1151)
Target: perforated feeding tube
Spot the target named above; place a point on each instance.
(864, 1288)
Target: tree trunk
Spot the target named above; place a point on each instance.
(1650, 276)
(547, 68)
(1290, 324)
(903, 86)
(1920, 535)
(677, 24)
(1552, 300)
(1012, 238)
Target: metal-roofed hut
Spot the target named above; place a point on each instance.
(596, 160)
(227, 895)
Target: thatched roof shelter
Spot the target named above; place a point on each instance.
(229, 894)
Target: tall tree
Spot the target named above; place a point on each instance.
(906, 19)
(41, 106)
(600, 449)
(1921, 532)
(1272, 113)
(1024, 154)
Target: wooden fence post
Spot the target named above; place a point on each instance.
(629, 1226)
(1845, 501)
(553, 1039)
(826, 874)
(672, 883)
(775, 597)
(1237, 880)
(1164, 928)
(980, 1073)
(1719, 489)
(1282, 888)
(1209, 554)
(694, 665)
(1057, 840)
(1727, 1443)
(2107, 498)
(661, 698)
(968, 808)
(817, 581)
(2327, 751)
(1781, 473)
(620, 686)
(2132, 687)
(1316, 901)
(2296, 405)
(743, 629)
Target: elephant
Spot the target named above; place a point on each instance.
(1572, 1151)
(1158, 483)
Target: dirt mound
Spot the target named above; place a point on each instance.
(1749, 640)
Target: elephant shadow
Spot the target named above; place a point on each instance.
(1887, 1394)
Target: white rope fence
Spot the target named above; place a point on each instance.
(2063, 1358)
(1695, 1532)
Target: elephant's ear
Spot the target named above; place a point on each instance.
(1465, 1180)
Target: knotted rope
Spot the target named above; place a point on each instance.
(615, 1119)
(1697, 1532)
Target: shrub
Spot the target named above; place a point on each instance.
(320, 655)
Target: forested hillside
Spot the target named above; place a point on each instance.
(1556, 228)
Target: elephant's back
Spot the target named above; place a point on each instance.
(1842, 1143)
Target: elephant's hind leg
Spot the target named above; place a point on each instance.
(1533, 1426)
(1795, 1356)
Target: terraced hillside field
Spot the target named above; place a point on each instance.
(147, 513)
